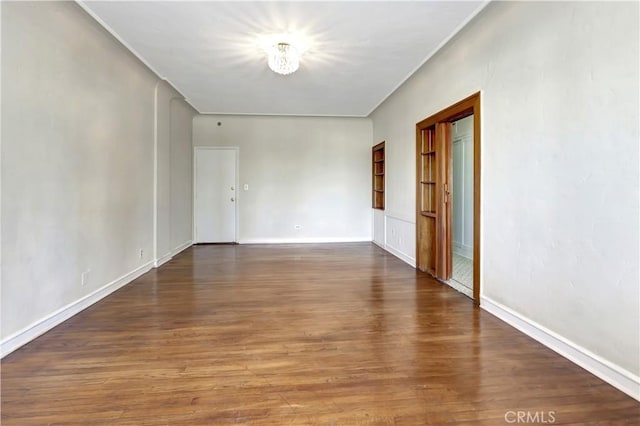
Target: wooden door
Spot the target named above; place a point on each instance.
(434, 168)
(215, 195)
(444, 220)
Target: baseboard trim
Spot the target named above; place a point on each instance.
(20, 338)
(616, 376)
(305, 240)
(381, 245)
(161, 261)
(182, 247)
(167, 257)
(400, 255)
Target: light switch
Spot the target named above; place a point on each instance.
(246, 186)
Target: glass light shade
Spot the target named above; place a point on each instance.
(284, 59)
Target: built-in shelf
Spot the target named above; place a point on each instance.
(427, 157)
(427, 174)
(377, 167)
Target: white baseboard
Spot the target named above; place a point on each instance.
(167, 257)
(381, 245)
(616, 376)
(182, 247)
(162, 260)
(24, 336)
(305, 240)
(400, 255)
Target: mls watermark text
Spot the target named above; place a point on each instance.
(530, 417)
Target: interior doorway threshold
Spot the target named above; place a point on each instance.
(459, 287)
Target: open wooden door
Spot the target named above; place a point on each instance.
(444, 220)
(434, 170)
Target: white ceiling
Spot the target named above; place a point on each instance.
(359, 52)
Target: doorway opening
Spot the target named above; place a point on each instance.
(448, 196)
(462, 207)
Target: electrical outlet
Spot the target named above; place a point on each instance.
(84, 278)
(246, 186)
(141, 253)
(297, 226)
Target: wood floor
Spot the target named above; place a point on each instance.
(338, 334)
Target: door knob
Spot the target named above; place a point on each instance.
(232, 199)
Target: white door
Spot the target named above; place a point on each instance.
(215, 195)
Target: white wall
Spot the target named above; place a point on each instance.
(181, 174)
(173, 173)
(378, 227)
(164, 96)
(560, 210)
(308, 171)
(77, 165)
(400, 238)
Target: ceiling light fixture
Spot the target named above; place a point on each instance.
(284, 58)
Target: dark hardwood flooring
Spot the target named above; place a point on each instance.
(331, 334)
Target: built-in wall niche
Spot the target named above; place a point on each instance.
(377, 167)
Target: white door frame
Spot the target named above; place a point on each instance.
(237, 192)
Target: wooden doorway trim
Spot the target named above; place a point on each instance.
(443, 120)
